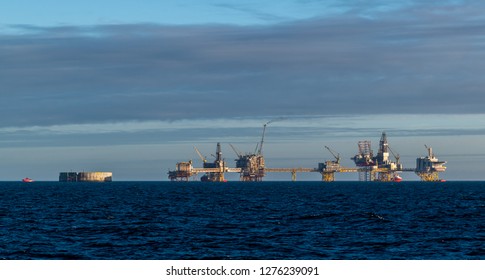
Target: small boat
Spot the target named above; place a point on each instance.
(397, 178)
(27, 180)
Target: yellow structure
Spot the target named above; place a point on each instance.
(94, 177)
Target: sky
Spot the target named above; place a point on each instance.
(131, 87)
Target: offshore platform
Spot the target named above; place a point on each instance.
(251, 166)
(379, 167)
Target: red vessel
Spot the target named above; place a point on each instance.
(27, 180)
(397, 178)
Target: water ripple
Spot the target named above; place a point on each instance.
(270, 220)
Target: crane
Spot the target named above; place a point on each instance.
(395, 155)
(203, 158)
(259, 146)
(260, 150)
(430, 151)
(238, 153)
(337, 157)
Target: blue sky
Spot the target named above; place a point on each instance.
(131, 87)
(248, 12)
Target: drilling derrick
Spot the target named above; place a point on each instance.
(380, 167)
(383, 153)
(217, 167)
(427, 168)
(386, 169)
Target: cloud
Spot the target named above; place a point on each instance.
(245, 131)
(405, 61)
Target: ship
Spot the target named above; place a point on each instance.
(27, 180)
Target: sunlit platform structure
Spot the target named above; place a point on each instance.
(251, 166)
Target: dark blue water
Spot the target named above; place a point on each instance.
(270, 220)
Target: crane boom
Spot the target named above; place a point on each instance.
(260, 149)
(394, 154)
(337, 157)
(430, 151)
(235, 150)
(204, 160)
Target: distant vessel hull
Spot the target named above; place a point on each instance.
(397, 178)
(27, 180)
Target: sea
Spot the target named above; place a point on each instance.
(242, 221)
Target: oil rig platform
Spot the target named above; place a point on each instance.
(214, 171)
(251, 166)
